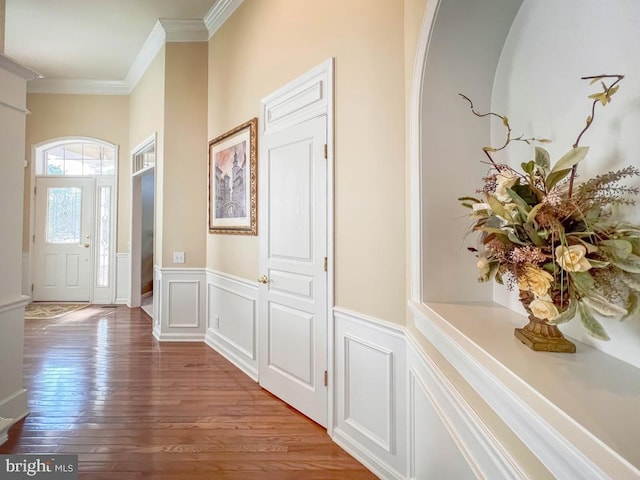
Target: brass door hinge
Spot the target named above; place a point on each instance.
(326, 264)
(326, 151)
(326, 378)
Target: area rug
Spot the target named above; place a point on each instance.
(42, 311)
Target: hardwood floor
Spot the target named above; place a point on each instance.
(101, 387)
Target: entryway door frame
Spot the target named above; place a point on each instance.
(103, 295)
(135, 239)
(309, 96)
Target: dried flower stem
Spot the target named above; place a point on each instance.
(608, 91)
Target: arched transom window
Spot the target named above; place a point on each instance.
(78, 158)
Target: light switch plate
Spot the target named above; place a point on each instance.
(178, 257)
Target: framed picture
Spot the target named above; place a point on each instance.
(233, 181)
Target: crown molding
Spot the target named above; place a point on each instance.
(78, 86)
(220, 13)
(152, 45)
(14, 67)
(184, 30)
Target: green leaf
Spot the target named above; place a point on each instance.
(525, 192)
(514, 239)
(532, 232)
(571, 158)
(497, 206)
(519, 201)
(565, 316)
(554, 177)
(527, 167)
(533, 212)
(633, 308)
(542, 157)
(583, 281)
(469, 199)
(618, 248)
(630, 264)
(598, 263)
(602, 306)
(593, 327)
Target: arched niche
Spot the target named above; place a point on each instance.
(523, 59)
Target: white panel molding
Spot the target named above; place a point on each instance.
(218, 14)
(242, 312)
(481, 449)
(122, 278)
(350, 344)
(174, 318)
(15, 406)
(538, 430)
(307, 97)
(381, 341)
(15, 304)
(181, 314)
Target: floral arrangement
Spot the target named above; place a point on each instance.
(555, 239)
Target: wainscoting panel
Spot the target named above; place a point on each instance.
(447, 439)
(180, 312)
(123, 277)
(370, 392)
(26, 274)
(232, 320)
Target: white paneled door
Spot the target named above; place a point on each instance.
(293, 283)
(62, 240)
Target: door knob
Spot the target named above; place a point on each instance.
(86, 245)
(263, 279)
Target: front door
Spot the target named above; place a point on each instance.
(62, 240)
(293, 283)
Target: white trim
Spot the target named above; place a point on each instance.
(182, 30)
(218, 14)
(13, 107)
(26, 274)
(123, 276)
(150, 49)
(164, 30)
(415, 150)
(17, 406)
(164, 326)
(10, 305)
(482, 450)
(14, 67)
(369, 460)
(538, 427)
(78, 86)
(246, 292)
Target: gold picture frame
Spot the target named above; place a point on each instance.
(233, 181)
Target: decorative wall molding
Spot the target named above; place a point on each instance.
(15, 304)
(308, 96)
(220, 13)
(184, 30)
(478, 446)
(78, 86)
(122, 278)
(564, 446)
(179, 312)
(232, 321)
(370, 392)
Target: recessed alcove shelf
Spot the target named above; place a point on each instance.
(562, 405)
(576, 413)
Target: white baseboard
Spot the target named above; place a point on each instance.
(14, 406)
(232, 320)
(123, 273)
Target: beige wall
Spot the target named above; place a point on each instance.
(185, 153)
(266, 44)
(146, 117)
(2, 20)
(99, 116)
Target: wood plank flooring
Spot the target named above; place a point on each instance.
(101, 387)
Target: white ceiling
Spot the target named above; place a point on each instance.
(87, 39)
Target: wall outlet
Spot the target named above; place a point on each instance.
(178, 257)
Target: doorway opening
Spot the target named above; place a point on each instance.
(142, 225)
